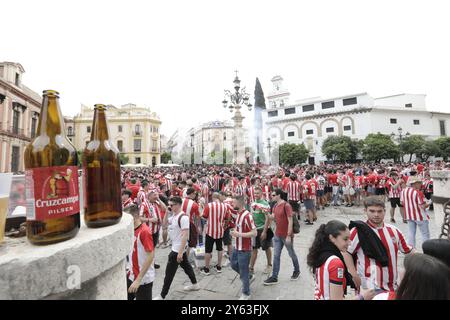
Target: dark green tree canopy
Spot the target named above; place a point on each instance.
(292, 154)
(341, 148)
(259, 95)
(378, 146)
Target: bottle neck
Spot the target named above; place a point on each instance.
(99, 127)
(51, 121)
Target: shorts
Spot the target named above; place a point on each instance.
(380, 191)
(370, 189)
(263, 244)
(395, 202)
(309, 204)
(328, 189)
(295, 206)
(209, 243)
(320, 193)
(226, 237)
(155, 237)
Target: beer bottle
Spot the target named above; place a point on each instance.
(101, 174)
(51, 178)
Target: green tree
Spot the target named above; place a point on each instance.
(429, 149)
(444, 147)
(379, 146)
(341, 148)
(166, 157)
(123, 158)
(259, 95)
(292, 154)
(412, 145)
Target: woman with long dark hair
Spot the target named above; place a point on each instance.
(425, 278)
(327, 263)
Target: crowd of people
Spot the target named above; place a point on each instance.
(242, 209)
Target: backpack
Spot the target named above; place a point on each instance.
(295, 223)
(193, 234)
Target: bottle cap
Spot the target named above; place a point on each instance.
(50, 93)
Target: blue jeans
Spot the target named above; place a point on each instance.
(424, 230)
(240, 261)
(278, 244)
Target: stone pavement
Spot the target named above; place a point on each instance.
(227, 285)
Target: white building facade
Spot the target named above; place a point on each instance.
(311, 121)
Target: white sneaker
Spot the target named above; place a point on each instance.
(244, 297)
(158, 297)
(192, 287)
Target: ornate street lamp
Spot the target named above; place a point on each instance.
(400, 138)
(234, 102)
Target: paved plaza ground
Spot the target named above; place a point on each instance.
(227, 285)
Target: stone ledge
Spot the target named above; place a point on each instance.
(35, 272)
(440, 174)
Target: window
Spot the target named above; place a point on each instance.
(347, 128)
(15, 157)
(69, 131)
(88, 129)
(289, 111)
(16, 117)
(119, 128)
(408, 105)
(17, 82)
(137, 145)
(328, 105)
(330, 129)
(137, 160)
(120, 145)
(224, 136)
(291, 133)
(416, 121)
(350, 101)
(137, 129)
(310, 131)
(442, 127)
(154, 145)
(273, 113)
(309, 107)
(394, 121)
(33, 127)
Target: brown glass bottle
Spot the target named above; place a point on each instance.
(101, 168)
(51, 173)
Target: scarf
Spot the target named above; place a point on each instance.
(328, 250)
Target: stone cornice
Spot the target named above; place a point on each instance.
(20, 93)
(322, 115)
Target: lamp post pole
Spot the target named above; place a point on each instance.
(234, 101)
(400, 138)
(269, 147)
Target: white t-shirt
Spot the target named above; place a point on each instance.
(175, 230)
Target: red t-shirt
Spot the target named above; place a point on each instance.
(281, 218)
(332, 179)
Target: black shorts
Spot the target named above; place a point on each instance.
(380, 191)
(328, 189)
(209, 243)
(155, 239)
(226, 237)
(295, 206)
(395, 202)
(263, 244)
(428, 195)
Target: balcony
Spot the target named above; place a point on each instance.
(13, 132)
(137, 133)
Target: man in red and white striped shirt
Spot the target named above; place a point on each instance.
(143, 192)
(394, 185)
(140, 267)
(244, 231)
(415, 206)
(215, 213)
(368, 272)
(294, 189)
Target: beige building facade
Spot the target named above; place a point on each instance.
(19, 113)
(135, 131)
